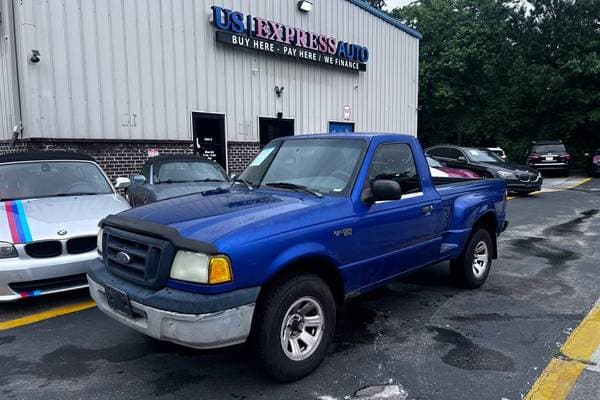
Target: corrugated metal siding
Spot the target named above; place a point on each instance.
(136, 69)
(9, 107)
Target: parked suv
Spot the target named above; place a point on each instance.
(550, 155)
(592, 164)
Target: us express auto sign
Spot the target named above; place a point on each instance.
(235, 28)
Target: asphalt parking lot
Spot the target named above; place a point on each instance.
(420, 336)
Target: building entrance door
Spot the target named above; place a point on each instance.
(209, 136)
(272, 128)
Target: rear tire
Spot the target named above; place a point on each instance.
(471, 269)
(294, 327)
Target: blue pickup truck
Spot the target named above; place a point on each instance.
(312, 221)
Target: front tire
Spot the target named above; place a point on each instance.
(294, 327)
(471, 269)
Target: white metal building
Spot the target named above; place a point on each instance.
(97, 75)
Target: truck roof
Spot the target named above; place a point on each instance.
(368, 136)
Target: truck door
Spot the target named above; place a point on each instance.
(400, 235)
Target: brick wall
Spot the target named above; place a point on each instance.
(240, 154)
(116, 158)
(127, 158)
(5, 148)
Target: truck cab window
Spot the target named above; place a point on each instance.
(395, 161)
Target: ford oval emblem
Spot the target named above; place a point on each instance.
(62, 232)
(123, 258)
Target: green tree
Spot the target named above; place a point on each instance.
(377, 3)
(497, 72)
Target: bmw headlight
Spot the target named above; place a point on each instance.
(201, 268)
(506, 175)
(7, 250)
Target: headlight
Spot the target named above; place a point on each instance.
(99, 240)
(7, 250)
(201, 268)
(506, 175)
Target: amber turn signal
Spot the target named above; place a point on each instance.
(219, 270)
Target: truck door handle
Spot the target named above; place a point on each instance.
(426, 210)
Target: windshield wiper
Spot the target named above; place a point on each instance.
(208, 180)
(293, 186)
(249, 186)
(75, 194)
(171, 181)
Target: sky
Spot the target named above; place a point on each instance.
(391, 4)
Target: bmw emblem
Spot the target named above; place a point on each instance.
(123, 257)
(62, 232)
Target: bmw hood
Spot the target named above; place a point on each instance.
(512, 167)
(24, 221)
(168, 190)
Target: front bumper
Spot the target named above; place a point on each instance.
(190, 319)
(521, 187)
(550, 166)
(20, 270)
(524, 186)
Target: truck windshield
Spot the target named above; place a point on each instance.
(51, 179)
(325, 166)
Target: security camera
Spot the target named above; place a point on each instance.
(279, 90)
(35, 56)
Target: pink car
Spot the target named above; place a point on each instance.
(441, 171)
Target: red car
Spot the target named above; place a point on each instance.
(439, 170)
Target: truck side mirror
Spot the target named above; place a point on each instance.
(385, 190)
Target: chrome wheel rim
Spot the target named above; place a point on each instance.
(302, 328)
(481, 258)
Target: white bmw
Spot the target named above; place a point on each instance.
(50, 206)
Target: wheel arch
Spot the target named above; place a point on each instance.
(489, 222)
(318, 265)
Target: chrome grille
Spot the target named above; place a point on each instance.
(138, 258)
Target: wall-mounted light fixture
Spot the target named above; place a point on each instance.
(305, 5)
(35, 56)
(279, 90)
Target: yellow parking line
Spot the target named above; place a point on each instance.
(57, 312)
(557, 189)
(583, 182)
(560, 375)
(585, 339)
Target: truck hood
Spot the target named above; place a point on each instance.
(30, 220)
(256, 214)
(167, 190)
